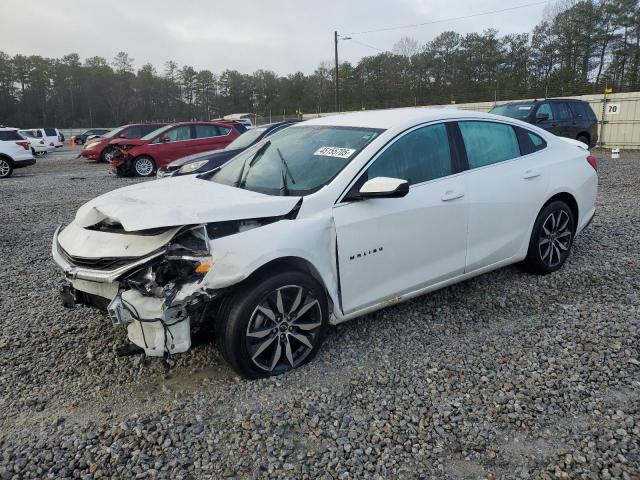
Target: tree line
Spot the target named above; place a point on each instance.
(579, 47)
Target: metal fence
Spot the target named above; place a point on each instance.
(618, 116)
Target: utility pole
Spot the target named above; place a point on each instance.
(337, 82)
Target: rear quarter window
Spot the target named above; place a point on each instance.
(529, 142)
(8, 135)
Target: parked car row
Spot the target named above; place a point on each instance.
(141, 149)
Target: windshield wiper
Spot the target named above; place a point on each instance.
(242, 177)
(284, 190)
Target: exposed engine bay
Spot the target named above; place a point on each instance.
(159, 297)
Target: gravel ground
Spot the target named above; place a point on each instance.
(507, 375)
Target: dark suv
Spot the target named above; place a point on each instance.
(563, 117)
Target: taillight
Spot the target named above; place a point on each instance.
(51, 144)
(41, 142)
(593, 161)
(24, 145)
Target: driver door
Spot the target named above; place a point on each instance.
(391, 246)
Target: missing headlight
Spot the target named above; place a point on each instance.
(186, 260)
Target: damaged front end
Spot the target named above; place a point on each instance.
(157, 297)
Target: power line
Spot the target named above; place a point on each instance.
(448, 19)
(366, 44)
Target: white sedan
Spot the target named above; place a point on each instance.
(325, 221)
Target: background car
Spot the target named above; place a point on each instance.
(52, 136)
(144, 156)
(15, 151)
(99, 148)
(36, 140)
(203, 162)
(563, 117)
(90, 134)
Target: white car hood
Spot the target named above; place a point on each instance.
(180, 201)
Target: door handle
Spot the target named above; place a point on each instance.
(554, 124)
(451, 195)
(531, 173)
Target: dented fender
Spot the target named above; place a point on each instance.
(311, 239)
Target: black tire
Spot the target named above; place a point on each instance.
(6, 167)
(240, 324)
(107, 154)
(584, 139)
(551, 239)
(143, 166)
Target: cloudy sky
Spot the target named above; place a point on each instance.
(281, 35)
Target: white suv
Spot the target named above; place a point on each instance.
(325, 221)
(15, 151)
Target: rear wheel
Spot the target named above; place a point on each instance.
(551, 239)
(584, 139)
(273, 324)
(143, 166)
(6, 169)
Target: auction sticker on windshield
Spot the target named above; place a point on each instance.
(338, 152)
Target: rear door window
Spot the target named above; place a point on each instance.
(562, 111)
(487, 143)
(206, 131)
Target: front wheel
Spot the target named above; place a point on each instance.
(272, 324)
(108, 154)
(6, 169)
(144, 166)
(551, 239)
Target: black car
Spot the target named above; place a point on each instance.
(206, 161)
(563, 117)
(92, 132)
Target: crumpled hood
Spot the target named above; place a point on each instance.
(180, 201)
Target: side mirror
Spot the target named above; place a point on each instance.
(165, 139)
(542, 117)
(384, 187)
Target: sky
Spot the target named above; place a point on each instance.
(246, 35)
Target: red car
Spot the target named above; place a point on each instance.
(144, 156)
(99, 148)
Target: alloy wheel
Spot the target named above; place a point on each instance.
(5, 168)
(555, 238)
(144, 167)
(284, 328)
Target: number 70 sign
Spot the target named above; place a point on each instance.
(613, 108)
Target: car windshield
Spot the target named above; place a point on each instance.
(246, 139)
(517, 110)
(297, 160)
(150, 135)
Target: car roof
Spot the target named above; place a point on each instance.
(394, 118)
